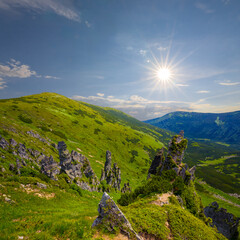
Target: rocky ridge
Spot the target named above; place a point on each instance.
(173, 160)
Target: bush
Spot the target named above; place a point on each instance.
(76, 188)
(156, 184)
(178, 186)
(59, 134)
(25, 118)
(169, 175)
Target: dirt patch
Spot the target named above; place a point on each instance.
(100, 162)
(162, 199)
(29, 189)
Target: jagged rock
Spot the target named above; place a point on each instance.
(111, 175)
(112, 217)
(3, 169)
(156, 163)
(22, 153)
(36, 135)
(54, 145)
(34, 153)
(18, 166)
(226, 223)
(126, 188)
(174, 158)
(49, 167)
(3, 143)
(13, 142)
(75, 165)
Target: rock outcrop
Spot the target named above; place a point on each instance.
(112, 217)
(173, 160)
(50, 168)
(226, 223)
(157, 163)
(77, 167)
(126, 188)
(111, 175)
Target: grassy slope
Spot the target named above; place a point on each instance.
(89, 128)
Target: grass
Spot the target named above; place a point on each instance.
(66, 215)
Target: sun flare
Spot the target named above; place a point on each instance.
(164, 74)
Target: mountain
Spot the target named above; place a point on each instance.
(57, 156)
(222, 127)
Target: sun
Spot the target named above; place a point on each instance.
(164, 74)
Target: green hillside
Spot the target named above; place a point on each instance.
(88, 129)
(222, 127)
(61, 209)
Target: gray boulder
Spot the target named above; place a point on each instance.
(49, 167)
(3, 143)
(226, 223)
(111, 217)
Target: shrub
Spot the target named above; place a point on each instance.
(25, 118)
(76, 188)
(178, 186)
(59, 134)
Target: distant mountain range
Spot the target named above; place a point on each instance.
(223, 127)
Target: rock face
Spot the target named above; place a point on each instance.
(156, 163)
(111, 175)
(226, 223)
(173, 160)
(77, 166)
(50, 168)
(112, 217)
(126, 188)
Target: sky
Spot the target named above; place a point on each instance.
(109, 53)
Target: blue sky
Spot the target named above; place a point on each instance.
(107, 52)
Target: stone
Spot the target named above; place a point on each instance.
(126, 188)
(226, 223)
(18, 166)
(156, 163)
(176, 149)
(22, 151)
(3, 143)
(111, 175)
(36, 135)
(75, 165)
(111, 217)
(13, 142)
(41, 185)
(50, 168)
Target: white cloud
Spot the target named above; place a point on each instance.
(59, 7)
(203, 7)
(15, 69)
(203, 91)
(137, 106)
(50, 77)
(229, 83)
(100, 94)
(2, 84)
